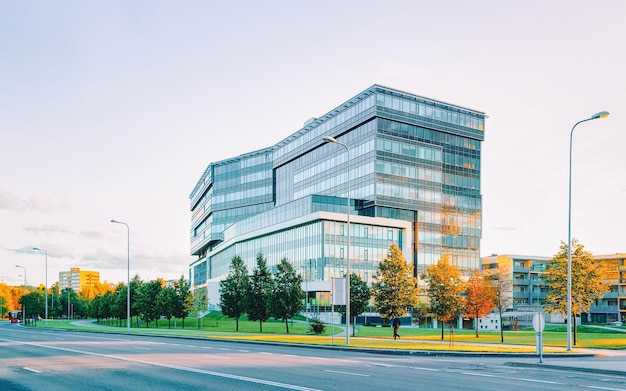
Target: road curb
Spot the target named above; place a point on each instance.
(566, 367)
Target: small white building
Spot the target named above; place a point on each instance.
(490, 322)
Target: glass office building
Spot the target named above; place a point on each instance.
(409, 166)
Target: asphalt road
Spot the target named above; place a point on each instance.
(40, 359)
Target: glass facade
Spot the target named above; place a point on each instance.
(412, 175)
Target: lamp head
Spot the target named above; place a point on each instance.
(36, 249)
(330, 139)
(602, 114)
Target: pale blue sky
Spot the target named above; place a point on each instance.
(114, 109)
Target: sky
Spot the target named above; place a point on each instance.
(113, 110)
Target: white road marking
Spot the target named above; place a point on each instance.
(512, 378)
(177, 367)
(31, 369)
(346, 373)
(606, 388)
(425, 369)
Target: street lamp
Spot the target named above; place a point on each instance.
(333, 140)
(128, 274)
(602, 114)
(23, 296)
(45, 252)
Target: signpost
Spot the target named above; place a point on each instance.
(538, 324)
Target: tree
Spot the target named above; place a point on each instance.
(3, 306)
(200, 303)
(444, 291)
(135, 286)
(34, 302)
(261, 288)
(184, 299)
(501, 280)
(360, 295)
(479, 298)
(75, 305)
(145, 301)
(166, 303)
(587, 282)
(395, 288)
(286, 300)
(119, 310)
(420, 314)
(234, 290)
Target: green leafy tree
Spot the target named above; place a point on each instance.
(501, 279)
(54, 306)
(234, 290)
(184, 299)
(3, 306)
(146, 301)
(34, 302)
(587, 282)
(261, 288)
(119, 302)
(200, 303)
(444, 291)
(75, 305)
(395, 288)
(286, 300)
(360, 295)
(166, 302)
(480, 298)
(135, 286)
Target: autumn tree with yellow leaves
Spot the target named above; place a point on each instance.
(587, 282)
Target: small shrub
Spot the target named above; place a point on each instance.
(317, 326)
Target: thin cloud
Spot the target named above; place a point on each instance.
(506, 229)
(35, 203)
(45, 204)
(9, 201)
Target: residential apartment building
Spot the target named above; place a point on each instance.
(612, 307)
(78, 279)
(408, 166)
(529, 292)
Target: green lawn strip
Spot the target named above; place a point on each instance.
(218, 326)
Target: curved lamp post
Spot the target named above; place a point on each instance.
(602, 114)
(45, 252)
(333, 140)
(128, 273)
(23, 296)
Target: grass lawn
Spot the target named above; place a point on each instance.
(215, 325)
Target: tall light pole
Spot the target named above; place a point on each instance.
(333, 140)
(23, 296)
(128, 274)
(45, 252)
(602, 114)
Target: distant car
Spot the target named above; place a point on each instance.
(616, 323)
(14, 320)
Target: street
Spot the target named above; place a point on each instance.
(40, 359)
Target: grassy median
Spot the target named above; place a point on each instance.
(220, 327)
